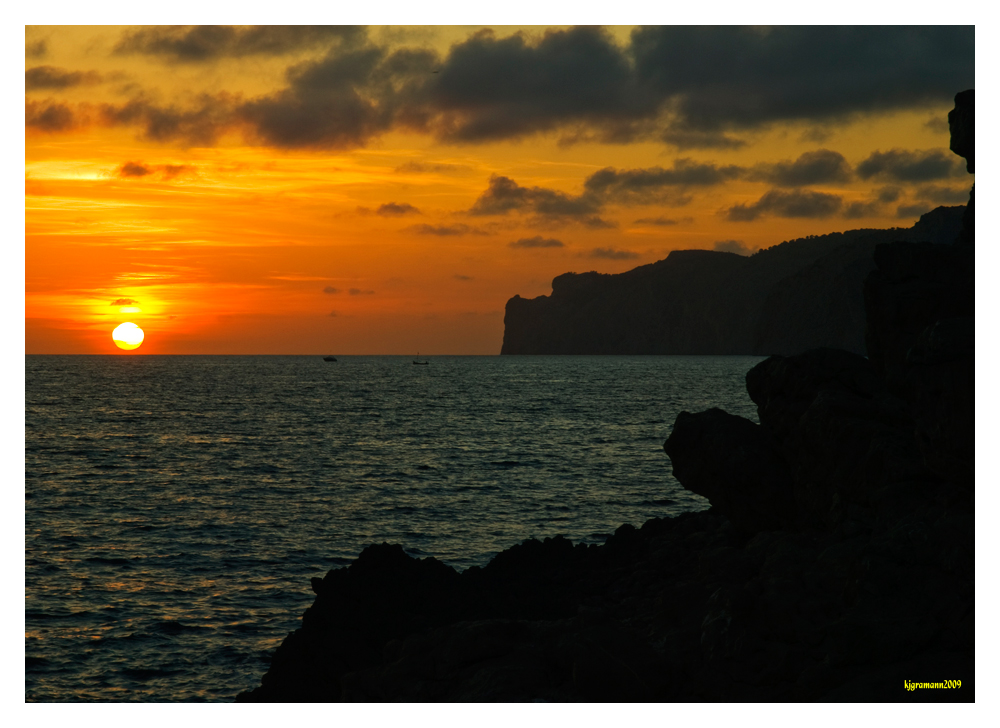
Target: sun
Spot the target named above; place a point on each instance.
(128, 336)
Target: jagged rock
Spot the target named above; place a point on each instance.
(840, 431)
(962, 126)
(732, 462)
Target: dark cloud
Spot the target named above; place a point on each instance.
(900, 165)
(38, 49)
(613, 254)
(819, 167)
(723, 77)
(446, 230)
(49, 116)
(655, 184)
(691, 87)
(888, 194)
(536, 242)
(863, 208)
(134, 169)
(794, 203)
(124, 302)
(201, 124)
(911, 211)
(734, 246)
(331, 289)
(664, 221)
(359, 292)
(50, 77)
(460, 277)
(333, 103)
(191, 44)
(875, 205)
(140, 169)
(393, 209)
(492, 88)
(504, 195)
(943, 195)
(629, 187)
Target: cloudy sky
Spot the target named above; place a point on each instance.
(312, 190)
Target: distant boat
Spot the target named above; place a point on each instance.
(329, 358)
(419, 363)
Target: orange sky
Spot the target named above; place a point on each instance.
(246, 192)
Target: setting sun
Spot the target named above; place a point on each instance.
(128, 336)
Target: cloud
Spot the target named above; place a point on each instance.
(192, 44)
(504, 195)
(38, 49)
(49, 116)
(875, 205)
(900, 165)
(612, 254)
(134, 169)
(50, 77)
(655, 184)
(460, 277)
(943, 195)
(446, 230)
(662, 221)
(628, 187)
(392, 209)
(911, 211)
(124, 302)
(201, 124)
(331, 290)
(795, 203)
(359, 292)
(691, 87)
(863, 208)
(888, 194)
(734, 246)
(165, 171)
(819, 167)
(536, 242)
(720, 78)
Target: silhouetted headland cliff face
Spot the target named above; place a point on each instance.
(798, 295)
(837, 562)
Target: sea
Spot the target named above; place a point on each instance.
(177, 506)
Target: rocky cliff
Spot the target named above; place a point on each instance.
(788, 298)
(837, 562)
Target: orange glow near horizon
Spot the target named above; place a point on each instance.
(241, 248)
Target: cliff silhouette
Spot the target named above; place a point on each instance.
(836, 563)
(795, 296)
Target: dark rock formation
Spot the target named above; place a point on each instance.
(837, 562)
(962, 124)
(733, 462)
(798, 295)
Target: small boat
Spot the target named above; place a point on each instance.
(419, 363)
(329, 358)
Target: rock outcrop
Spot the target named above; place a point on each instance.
(786, 299)
(837, 562)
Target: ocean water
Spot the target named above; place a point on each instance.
(176, 506)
